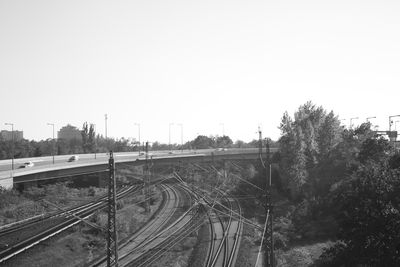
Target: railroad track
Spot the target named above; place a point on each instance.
(129, 248)
(225, 230)
(148, 246)
(226, 224)
(59, 222)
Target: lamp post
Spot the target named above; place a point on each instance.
(370, 118)
(138, 125)
(52, 141)
(391, 122)
(12, 145)
(181, 125)
(351, 121)
(105, 119)
(169, 135)
(223, 128)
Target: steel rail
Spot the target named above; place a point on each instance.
(36, 239)
(141, 231)
(153, 242)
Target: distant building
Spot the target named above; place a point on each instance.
(7, 135)
(69, 132)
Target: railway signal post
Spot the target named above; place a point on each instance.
(112, 241)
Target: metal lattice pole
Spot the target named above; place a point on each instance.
(112, 241)
(260, 142)
(269, 241)
(147, 180)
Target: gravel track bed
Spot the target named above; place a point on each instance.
(30, 231)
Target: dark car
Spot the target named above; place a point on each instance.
(27, 164)
(73, 158)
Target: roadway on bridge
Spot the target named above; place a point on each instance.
(5, 165)
(43, 162)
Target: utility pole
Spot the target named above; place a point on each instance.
(112, 240)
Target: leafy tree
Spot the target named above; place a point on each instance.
(223, 141)
(91, 138)
(329, 135)
(306, 141)
(374, 149)
(394, 161)
(239, 144)
(202, 142)
(367, 209)
(158, 146)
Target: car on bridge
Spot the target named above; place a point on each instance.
(27, 164)
(73, 158)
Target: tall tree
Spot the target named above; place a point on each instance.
(367, 209)
(305, 141)
(85, 137)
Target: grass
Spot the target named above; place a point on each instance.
(301, 255)
(82, 244)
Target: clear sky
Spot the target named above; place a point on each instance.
(200, 63)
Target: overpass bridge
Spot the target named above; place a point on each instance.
(97, 164)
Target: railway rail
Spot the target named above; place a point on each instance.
(130, 248)
(225, 225)
(61, 222)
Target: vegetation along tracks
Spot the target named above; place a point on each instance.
(32, 235)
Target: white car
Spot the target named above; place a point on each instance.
(27, 164)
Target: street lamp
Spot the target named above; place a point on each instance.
(138, 125)
(169, 135)
(12, 145)
(370, 118)
(52, 143)
(180, 124)
(391, 122)
(105, 119)
(223, 128)
(351, 121)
